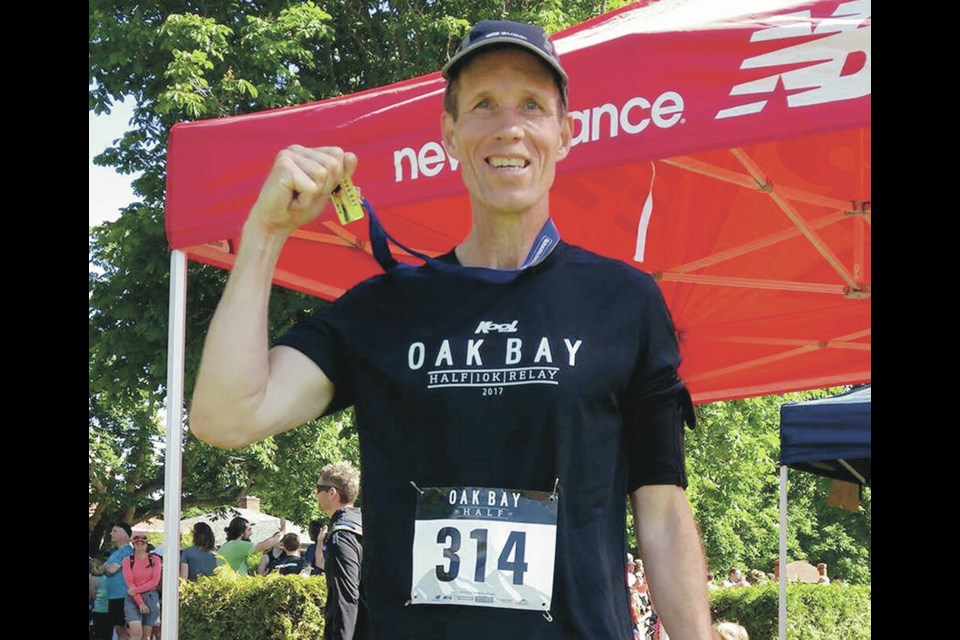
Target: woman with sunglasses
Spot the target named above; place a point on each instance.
(142, 572)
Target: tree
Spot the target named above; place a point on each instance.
(732, 466)
(189, 60)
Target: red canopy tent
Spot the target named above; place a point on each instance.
(722, 146)
(747, 127)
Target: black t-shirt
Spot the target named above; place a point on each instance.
(567, 373)
(287, 564)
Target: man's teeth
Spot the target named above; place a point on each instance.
(507, 162)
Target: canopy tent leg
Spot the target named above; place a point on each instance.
(782, 617)
(170, 612)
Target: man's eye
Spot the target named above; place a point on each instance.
(532, 105)
(482, 104)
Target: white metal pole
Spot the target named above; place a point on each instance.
(783, 554)
(173, 462)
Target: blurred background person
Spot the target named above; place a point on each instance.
(116, 585)
(199, 559)
(314, 552)
(822, 570)
(291, 561)
(729, 631)
(270, 558)
(756, 577)
(238, 545)
(101, 627)
(735, 578)
(711, 585)
(142, 572)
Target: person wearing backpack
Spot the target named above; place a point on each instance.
(142, 572)
(345, 616)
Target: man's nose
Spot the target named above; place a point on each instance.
(509, 123)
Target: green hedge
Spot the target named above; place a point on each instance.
(275, 607)
(814, 612)
(278, 607)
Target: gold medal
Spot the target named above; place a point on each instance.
(346, 200)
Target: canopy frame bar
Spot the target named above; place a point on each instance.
(772, 190)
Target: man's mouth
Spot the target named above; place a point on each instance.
(507, 163)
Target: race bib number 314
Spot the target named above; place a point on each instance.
(484, 547)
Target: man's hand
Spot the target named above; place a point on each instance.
(298, 187)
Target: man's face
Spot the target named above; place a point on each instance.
(507, 135)
(118, 537)
(325, 494)
(247, 532)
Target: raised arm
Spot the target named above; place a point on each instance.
(318, 559)
(269, 543)
(245, 391)
(672, 553)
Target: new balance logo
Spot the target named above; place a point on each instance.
(486, 326)
(832, 67)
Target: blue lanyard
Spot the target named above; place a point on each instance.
(546, 241)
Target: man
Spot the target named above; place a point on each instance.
(238, 545)
(291, 561)
(116, 584)
(345, 613)
(318, 531)
(508, 394)
(270, 557)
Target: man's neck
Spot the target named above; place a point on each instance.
(500, 241)
(340, 507)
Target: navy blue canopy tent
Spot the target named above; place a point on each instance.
(828, 437)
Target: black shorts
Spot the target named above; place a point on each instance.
(115, 613)
(102, 629)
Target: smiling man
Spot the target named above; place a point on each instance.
(510, 394)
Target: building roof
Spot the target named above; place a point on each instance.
(264, 525)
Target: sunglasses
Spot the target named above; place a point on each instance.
(324, 487)
(136, 540)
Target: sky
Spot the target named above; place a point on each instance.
(109, 191)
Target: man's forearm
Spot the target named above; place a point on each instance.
(672, 553)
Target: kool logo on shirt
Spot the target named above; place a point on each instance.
(495, 359)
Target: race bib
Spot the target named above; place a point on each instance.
(484, 547)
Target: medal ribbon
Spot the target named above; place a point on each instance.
(546, 241)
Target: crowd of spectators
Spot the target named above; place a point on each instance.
(646, 622)
(125, 585)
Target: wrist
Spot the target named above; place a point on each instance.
(263, 237)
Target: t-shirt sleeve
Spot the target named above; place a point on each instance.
(318, 338)
(656, 403)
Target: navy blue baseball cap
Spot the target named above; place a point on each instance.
(530, 37)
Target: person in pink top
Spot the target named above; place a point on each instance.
(142, 572)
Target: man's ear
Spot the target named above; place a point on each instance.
(566, 134)
(449, 143)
